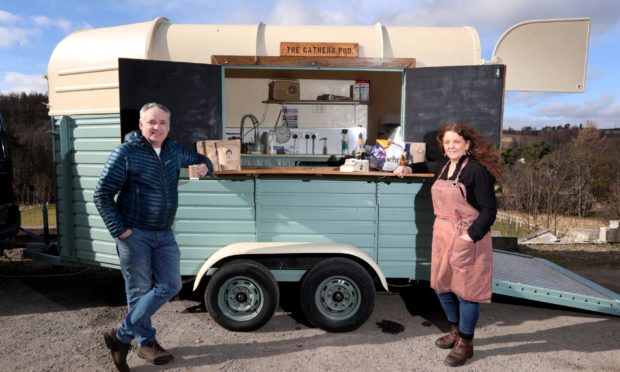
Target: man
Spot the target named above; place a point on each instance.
(144, 172)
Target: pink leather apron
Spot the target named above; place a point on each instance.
(457, 265)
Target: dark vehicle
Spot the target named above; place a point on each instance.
(9, 210)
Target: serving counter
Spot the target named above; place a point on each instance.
(387, 217)
(317, 171)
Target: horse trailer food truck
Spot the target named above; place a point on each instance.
(290, 215)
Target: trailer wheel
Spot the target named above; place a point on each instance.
(242, 295)
(337, 295)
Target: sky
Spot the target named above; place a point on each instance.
(30, 29)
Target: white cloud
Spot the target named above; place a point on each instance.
(6, 17)
(604, 108)
(494, 16)
(17, 82)
(10, 36)
(294, 12)
(61, 23)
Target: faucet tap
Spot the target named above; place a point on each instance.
(254, 125)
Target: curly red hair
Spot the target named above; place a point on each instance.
(480, 148)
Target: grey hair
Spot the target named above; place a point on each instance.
(150, 105)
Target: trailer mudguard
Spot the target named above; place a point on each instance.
(267, 248)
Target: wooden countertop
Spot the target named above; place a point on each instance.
(316, 171)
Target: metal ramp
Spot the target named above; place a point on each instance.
(531, 278)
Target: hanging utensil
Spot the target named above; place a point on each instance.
(283, 132)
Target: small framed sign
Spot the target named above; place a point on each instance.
(318, 49)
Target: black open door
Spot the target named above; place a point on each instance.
(470, 94)
(192, 92)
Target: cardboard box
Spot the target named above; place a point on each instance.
(207, 148)
(417, 152)
(354, 165)
(225, 155)
(229, 154)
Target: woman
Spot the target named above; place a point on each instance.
(465, 207)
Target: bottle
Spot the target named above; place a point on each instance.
(270, 143)
(345, 142)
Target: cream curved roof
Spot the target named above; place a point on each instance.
(83, 68)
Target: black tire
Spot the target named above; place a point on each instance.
(337, 295)
(242, 295)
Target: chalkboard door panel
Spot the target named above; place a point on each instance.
(192, 92)
(436, 95)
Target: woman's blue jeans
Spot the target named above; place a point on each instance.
(459, 311)
(150, 264)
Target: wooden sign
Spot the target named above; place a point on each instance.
(303, 49)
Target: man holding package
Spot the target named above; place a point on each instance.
(144, 172)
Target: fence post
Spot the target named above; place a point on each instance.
(46, 229)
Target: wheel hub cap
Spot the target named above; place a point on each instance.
(338, 298)
(240, 298)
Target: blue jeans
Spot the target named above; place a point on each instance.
(150, 264)
(459, 311)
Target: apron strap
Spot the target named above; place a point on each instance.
(458, 175)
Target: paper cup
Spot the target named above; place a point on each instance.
(193, 172)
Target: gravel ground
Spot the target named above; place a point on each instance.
(52, 319)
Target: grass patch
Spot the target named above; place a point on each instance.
(507, 228)
(32, 215)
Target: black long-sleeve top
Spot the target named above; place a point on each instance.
(479, 184)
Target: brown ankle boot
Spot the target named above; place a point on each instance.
(462, 350)
(447, 341)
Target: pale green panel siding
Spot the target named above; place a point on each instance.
(220, 200)
(317, 214)
(80, 196)
(198, 253)
(85, 182)
(93, 233)
(95, 246)
(218, 186)
(91, 157)
(88, 170)
(182, 225)
(316, 186)
(406, 269)
(317, 227)
(93, 220)
(390, 254)
(348, 202)
(58, 181)
(229, 213)
(405, 228)
(93, 144)
(212, 240)
(365, 242)
(98, 258)
(191, 267)
(212, 213)
(317, 211)
(88, 208)
(85, 130)
(92, 137)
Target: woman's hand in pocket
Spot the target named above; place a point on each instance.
(466, 237)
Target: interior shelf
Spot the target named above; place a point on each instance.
(317, 102)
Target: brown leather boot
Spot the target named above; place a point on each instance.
(462, 350)
(118, 350)
(154, 353)
(447, 341)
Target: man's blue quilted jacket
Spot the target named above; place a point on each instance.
(145, 183)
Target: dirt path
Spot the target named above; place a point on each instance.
(54, 323)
